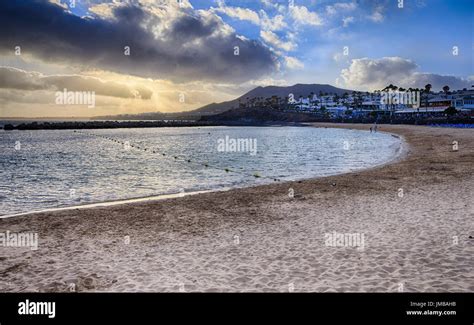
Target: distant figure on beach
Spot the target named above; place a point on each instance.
(370, 129)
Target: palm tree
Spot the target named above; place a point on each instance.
(446, 91)
(428, 88)
(391, 105)
(427, 91)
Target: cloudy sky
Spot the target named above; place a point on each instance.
(170, 55)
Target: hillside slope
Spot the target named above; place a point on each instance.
(266, 92)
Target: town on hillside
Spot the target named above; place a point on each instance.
(392, 101)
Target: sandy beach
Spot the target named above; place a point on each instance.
(416, 216)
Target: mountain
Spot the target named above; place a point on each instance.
(217, 108)
(266, 92)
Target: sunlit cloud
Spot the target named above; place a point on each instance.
(273, 40)
(302, 16)
(293, 63)
(370, 74)
(238, 13)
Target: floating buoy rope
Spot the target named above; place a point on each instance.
(178, 159)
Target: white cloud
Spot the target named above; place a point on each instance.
(267, 3)
(373, 73)
(340, 6)
(420, 79)
(370, 74)
(347, 20)
(293, 63)
(303, 16)
(271, 4)
(273, 40)
(274, 23)
(377, 16)
(58, 3)
(242, 38)
(238, 13)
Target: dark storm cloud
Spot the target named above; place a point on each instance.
(189, 27)
(182, 45)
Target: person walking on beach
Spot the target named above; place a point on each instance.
(370, 129)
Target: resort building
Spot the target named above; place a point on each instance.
(371, 104)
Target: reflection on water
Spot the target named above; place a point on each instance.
(54, 168)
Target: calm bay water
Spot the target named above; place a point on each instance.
(58, 168)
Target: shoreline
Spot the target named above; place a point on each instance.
(259, 239)
(399, 155)
(111, 203)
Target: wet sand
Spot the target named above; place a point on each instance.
(416, 215)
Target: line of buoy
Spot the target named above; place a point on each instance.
(176, 158)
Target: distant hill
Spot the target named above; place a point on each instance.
(216, 108)
(255, 116)
(266, 92)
